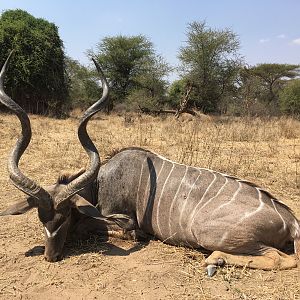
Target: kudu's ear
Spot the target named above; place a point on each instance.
(123, 221)
(86, 208)
(20, 207)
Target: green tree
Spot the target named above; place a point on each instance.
(151, 85)
(36, 78)
(272, 77)
(249, 91)
(176, 92)
(83, 86)
(131, 63)
(289, 97)
(210, 62)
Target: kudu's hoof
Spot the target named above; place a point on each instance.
(211, 270)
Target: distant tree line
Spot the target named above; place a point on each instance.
(213, 76)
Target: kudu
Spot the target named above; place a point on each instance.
(60, 205)
(182, 205)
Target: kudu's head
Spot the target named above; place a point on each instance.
(55, 203)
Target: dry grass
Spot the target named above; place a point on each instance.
(264, 151)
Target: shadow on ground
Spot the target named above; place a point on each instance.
(92, 245)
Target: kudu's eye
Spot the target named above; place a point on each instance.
(45, 216)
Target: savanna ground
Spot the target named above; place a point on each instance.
(264, 151)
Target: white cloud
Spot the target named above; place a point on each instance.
(262, 41)
(296, 41)
(281, 36)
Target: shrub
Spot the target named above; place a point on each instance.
(289, 98)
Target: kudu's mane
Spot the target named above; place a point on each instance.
(116, 151)
(67, 177)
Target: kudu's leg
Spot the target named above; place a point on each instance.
(136, 235)
(269, 260)
(87, 226)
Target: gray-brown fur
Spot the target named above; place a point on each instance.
(191, 206)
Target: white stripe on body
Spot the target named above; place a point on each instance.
(297, 229)
(220, 173)
(146, 190)
(240, 181)
(192, 217)
(245, 216)
(284, 223)
(185, 202)
(250, 214)
(158, 203)
(233, 197)
(220, 190)
(175, 197)
(138, 189)
(224, 236)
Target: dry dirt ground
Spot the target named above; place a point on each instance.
(265, 151)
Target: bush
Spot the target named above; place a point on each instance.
(289, 98)
(36, 77)
(141, 98)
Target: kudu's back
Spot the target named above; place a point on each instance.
(191, 206)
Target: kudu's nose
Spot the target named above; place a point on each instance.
(53, 258)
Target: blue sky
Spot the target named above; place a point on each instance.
(269, 30)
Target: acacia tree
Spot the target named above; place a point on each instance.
(36, 79)
(272, 76)
(131, 65)
(210, 62)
